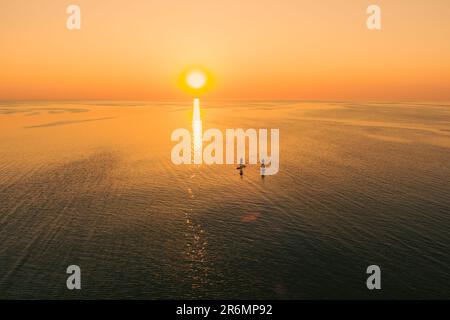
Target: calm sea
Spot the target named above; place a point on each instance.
(92, 184)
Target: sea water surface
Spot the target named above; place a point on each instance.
(92, 184)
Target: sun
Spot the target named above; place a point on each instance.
(196, 79)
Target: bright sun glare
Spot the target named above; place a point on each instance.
(196, 79)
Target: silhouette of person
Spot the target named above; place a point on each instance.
(241, 167)
(263, 169)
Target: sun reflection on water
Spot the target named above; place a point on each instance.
(197, 132)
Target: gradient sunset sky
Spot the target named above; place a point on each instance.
(255, 49)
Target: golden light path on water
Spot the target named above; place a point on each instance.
(196, 253)
(197, 132)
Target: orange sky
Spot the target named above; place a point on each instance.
(256, 49)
